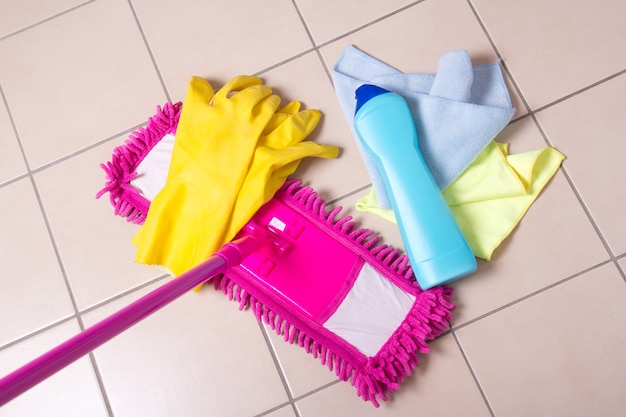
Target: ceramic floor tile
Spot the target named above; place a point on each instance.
(12, 162)
(71, 392)
(305, 80)
(554, 240)
(424, 31)
(327, 20)
(94, 244)
(197, 356)
(32, 291)
(17, 15)
(589, 128)
(442, 386)
(218, 40)
(536, 359)
(554, 48)
(74, 80)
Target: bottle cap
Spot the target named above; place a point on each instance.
(365, 93)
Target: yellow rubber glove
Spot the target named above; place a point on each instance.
(216, 138)
(191, 187)
(278, 154)
(492, 195)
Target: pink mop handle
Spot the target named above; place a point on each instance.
(59, 357)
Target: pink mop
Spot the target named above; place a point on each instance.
(311, 275)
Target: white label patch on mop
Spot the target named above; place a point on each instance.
(152, 171)
(278, 224)
(373, 309)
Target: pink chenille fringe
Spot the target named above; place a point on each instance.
(121, 170)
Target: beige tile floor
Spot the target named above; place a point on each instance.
(538, 331)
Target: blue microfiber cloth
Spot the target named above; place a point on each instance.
(457, 111)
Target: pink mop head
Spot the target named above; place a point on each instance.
(335, 292)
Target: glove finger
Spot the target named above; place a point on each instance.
(277, 119)
(238, 83)
(251, 96)
(235, 85)
(302, 150)
(290, 108)
(281, 116)
(265, 109)
(292, 130)
(199, 91)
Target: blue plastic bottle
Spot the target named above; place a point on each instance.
(433, 241)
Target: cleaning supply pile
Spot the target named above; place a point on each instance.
(209, 182)
(331, 308)
(458, 112)
(226, 165)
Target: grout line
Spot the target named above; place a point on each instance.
(316, 390)
(38, 332)
(577, 194)
(47, 19)
(283, 62)
(310, 35)
(152, 58)
(17, 138)
(57, 253)
(582, 90)
(99, 380)
(13, 180)
(41, 208)
(532, 113)
(122, 294)
(65, 157)
(349, 194)
(271, 410)
(469, 366)
(85, 149)
(68, 286)
(620, 270)
(529, 296)
(304, 25)
(499, 55)
(370, 23)
(279, 368)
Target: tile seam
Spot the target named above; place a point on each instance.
(279, 368)
(44, 20)
(37, 332)
(149, 50)
(577, 194)
(121, 295)
(56, 250)
(473, 373)
(531, 295)
(370, 23)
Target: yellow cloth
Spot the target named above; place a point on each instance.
(492, 195)
(233, 150)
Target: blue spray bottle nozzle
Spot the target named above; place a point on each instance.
(365, 93)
